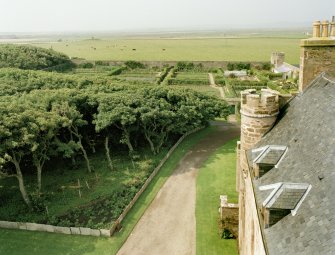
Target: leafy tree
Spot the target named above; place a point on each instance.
(17, 140)
(34, 58)
(72, 120)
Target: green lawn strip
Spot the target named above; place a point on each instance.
(27, 242)
(215, 178)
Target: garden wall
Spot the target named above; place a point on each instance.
(55, 229)
(89, 231)
(206, 64)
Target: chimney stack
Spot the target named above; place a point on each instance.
(317, 53)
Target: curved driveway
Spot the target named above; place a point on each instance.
(168, 225)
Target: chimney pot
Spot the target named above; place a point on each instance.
(316, 28)
(325, 28)
(332, 27)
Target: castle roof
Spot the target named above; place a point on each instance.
(306, 126)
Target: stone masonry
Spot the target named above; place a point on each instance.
(258, 114)
(317, 53)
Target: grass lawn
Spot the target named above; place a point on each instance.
(178, 49)
(215, 178)
(27, 242)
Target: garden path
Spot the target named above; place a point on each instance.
(213, 85)
(168, 225)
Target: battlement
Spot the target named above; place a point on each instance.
(264, 105)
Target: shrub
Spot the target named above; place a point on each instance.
(32, 58)
(134, 64)
(116, 71)
(187, 66)
(266, 66)
(86, 65)
(230, 66)
(238, 66)
(101, 63)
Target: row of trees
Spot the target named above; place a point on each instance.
(39, 124)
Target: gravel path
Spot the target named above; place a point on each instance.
(213, 85)
(168, 225)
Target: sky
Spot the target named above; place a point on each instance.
(143, 15)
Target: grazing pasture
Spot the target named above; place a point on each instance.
(237, 48)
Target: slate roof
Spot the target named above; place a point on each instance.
(282, 69)
(307, 127)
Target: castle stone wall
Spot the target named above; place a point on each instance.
(258, 114)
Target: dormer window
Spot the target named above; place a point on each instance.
(266, 158)
(284, 199)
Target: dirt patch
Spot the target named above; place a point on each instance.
(168, 225)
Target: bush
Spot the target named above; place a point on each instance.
(238, 66)
(134, 64)
(187, 66)
(32, 58)
(101, 63)
(87, 65)
(116, 71)
(266, 66)
(230, 66)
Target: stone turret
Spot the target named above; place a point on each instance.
(258, 115)
(277, 59)
(317, 53)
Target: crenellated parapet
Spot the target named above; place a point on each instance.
(261, 105)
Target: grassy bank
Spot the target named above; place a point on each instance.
(215, 178)
(26, 242)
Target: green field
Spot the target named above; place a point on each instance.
(238, 48)
(215, 178)
(26, 242)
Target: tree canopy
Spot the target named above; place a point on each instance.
(45, 116)
(33, 58)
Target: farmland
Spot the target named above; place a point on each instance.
(190, 48)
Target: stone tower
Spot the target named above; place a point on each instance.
(317, 53)
(277, 59)
(258, 115)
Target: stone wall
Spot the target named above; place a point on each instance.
(207, 64)
(258, 114)
(317, 53)
(229, 216)
(55, 229)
